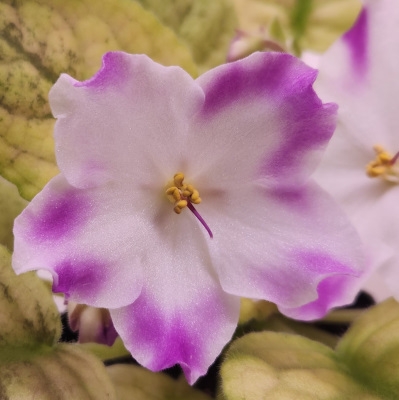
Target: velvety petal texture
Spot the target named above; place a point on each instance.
(359, 73)
(132, 108)
(247, 136)
(68, 232)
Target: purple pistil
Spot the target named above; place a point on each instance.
(200, 219)
(394, 158)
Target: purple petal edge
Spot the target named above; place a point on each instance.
(335, 288)
(176, 343)
(286, 83)
(191, 336)
(333, 291)
(114, 70)
(357, 41)
(310, 269)
(310, 126)
(262, 74)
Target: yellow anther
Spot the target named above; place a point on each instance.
(195, 198)
(173, 194)
(187, 190)
(178, 179)
(179, 206)
(374, 170)
(384, 157)
(185, 195)
(384, 165)
(181, 193)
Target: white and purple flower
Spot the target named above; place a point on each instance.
(93, 324)
(361, 167)
(177, 196)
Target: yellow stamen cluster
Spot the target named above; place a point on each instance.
(180, 193)
(379, 165)
(383, 166)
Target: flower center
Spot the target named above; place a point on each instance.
(184, 195)
(384, 165)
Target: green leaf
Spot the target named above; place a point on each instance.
(28, 315)
(39, 39)
(260, 315)
(255, 309)
(279, 323)
(11, 205)
(104, 352)
(32, 365)
(62, 373)
(285, 366)
(327, 20)
(133, 382)
(306, 24)
(370, 349)
(206, 26)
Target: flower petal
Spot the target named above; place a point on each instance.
(182, 315)
(261, 120)
(380, 231)
(357, 73)
(289, 247)
(109, 125)
(332, 291)
(257, 139)
(247, 135)
(71, 233)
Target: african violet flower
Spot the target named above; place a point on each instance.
(94, 324)
(361, 167)
(176, 196)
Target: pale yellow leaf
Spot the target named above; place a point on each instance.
(282, 366)
(306, 24)
(62, 373)
(206, 26)
(11, 204)
(28, 315)
(134, 382)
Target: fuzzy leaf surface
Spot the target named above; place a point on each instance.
(11, 205)
(206, 26)
(134, 382)
(284, 366)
